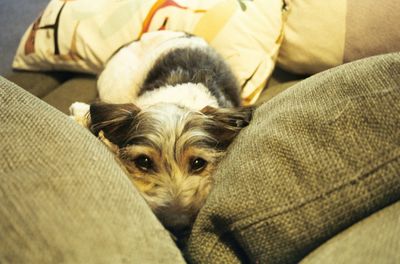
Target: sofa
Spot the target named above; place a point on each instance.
(314, 178)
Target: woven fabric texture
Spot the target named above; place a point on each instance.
(315, 159)
(373, 240)
(63, 197)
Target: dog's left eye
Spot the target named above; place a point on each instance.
(197, 164)
(144, 163)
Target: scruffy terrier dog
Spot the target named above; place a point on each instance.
(169, 117)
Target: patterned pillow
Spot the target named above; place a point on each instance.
(323, 34)
(81, 35)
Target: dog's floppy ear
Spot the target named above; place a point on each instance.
(115, 120)
(226, 123)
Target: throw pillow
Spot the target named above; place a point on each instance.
(82, 35)
(323, 34)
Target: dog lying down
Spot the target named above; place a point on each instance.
(169, 115)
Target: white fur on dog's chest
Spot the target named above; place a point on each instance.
(194, 96)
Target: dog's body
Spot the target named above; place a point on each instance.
(169, 116)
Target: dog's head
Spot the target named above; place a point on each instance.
(169, 151)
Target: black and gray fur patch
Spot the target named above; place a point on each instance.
(195, 65)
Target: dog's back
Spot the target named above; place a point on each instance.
(197, 65)
(178, 59)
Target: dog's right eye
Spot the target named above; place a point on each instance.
(144, 163)
(197, 164)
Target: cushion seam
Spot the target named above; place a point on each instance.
(393, 154)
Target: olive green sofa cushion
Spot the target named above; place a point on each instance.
(64, 199)
(372, 240)
(315, 159)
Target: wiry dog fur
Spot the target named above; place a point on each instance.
(171, 124)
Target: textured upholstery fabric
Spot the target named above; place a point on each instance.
(315, 159)
(373, 240)
(79, 89)
(58, 89)
(39, 84)
(63, 197)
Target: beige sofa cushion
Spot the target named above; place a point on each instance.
(315, 159)
(372, 240)
(322, 34)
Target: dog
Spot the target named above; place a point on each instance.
(169, 116)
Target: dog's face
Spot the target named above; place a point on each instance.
(169, 152)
